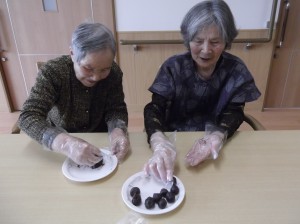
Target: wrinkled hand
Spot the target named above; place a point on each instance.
(119, 143)
(80, 151)
(205, 148)
(161, 164)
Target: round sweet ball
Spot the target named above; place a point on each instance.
(174, 180)
(162, 203)
(149, 203)
(163, 192)
(170, 197)
(174, 189)
(156, 197)
(134, 191)
(136, 200)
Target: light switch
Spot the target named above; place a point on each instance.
(50, 5)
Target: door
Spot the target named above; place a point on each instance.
(284, 80)
(29, 34)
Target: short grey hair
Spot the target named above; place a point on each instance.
(206, 13)
(91, 37)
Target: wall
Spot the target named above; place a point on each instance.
(156, 15)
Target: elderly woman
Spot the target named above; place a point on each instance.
(204, 89)
(80, 92)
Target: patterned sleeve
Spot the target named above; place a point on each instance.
(232, 117)
(116, 108)
(33, 116)
(155, 114)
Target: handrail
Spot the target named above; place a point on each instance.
(241, 40)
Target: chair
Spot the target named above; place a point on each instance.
(255, 124)
(15, 128)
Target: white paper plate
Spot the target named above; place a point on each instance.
(85, 173)
(148, 186)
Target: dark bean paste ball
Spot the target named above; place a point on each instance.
(162, 203)
(97, 165)
(174, 180)
(134, 191)
(156, 197)
(136, 200)
(149, 203)
(163, 192)
(174, 189)
(170, 197)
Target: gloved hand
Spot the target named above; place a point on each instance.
(207, 147)
(118, 137)
(161, 164)
(80, 151)
(119, 143)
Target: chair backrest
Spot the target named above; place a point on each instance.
(39, 64)
(255, 124)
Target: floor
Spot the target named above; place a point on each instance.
(271, 120)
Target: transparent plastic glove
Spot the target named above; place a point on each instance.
(161, 164)
(80, 151)
(119, 140)
(207, 147)
(132, 218)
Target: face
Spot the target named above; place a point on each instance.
(206, 48)
(94, 67)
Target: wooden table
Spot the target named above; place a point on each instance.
(256, 179)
